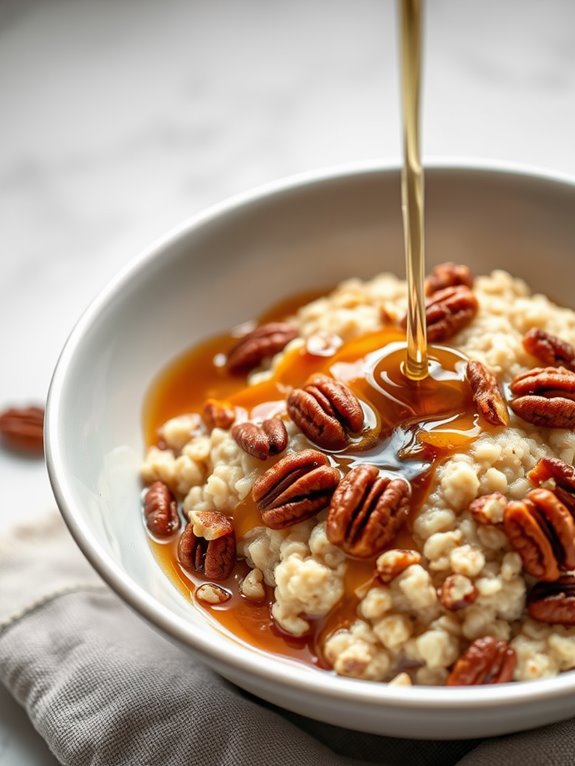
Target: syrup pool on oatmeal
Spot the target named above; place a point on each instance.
(316, 507)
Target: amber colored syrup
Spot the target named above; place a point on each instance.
(410, 427)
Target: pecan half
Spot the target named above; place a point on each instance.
(261, 343)
(487, 661)
(486, 394)
(22, 428)
(489, 509)
(553, 602)
(457, 592)
(366, 511)
(392, 563)
(270, 438)
(218, 414)
(549, 349)
(448, 275)
(326, 411)
(297, 487)
(559, 477)
(545, 397)
(208, 545)
(542, 531)
(161, 510)
(447, 312)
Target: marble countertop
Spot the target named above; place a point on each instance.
(122, 118)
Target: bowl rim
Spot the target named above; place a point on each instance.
(215, 644)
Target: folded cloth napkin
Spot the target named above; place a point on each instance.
(103, 688)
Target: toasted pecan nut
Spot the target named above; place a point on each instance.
(270, 438)
(22, 428)
(549, 349)
(457, 592)
(297, 487)
(218, 414)
(489, 509)
(392, 563)
(545, 396)
(487, 661)
(366, 511)
(208, 545)
(560, 478)
(448, 275)
(447, 312)
(486, 394)
(260, 344)
(553, 602)
(542, 531)
(161, 510)
(326, 411)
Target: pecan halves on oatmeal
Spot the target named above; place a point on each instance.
(542, 531)
(448, 275)
(161, 510)
(326, 411)
(545, 396)
(447, 312)
(218, 414)
(457, 592)
(22, 428)
(263, 342)
(487, 661)
(486, 394)
(549, 349)
(553, 602)
(207, 545)
(366, 511)
(489, 509)
(297, 487)
(558, 476)
(260, 442)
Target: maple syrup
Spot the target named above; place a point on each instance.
(412, 189)
(410, 428)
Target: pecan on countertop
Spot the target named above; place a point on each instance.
(553, 602)
(366, 511)
(208, 545)
(545, 396)
(326, 411)
(263, 342)
(549, 349)
(486, 394)
(261, 441)
(542, 531)
(22, 428)
(297, 487)
(487, 661)
(161, 510)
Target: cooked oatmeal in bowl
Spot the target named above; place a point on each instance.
(319, 505)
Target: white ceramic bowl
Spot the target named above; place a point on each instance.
(221, 269)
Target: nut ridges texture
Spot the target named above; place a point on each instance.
(297, 487)
(486, 661)
(553, 602)
(207, 545)
(261, 441)
(448, 311)
(263, 342)
(326, 411)
(448, 275)
(545, 396)
(542, 531)
(486, 394)
(161, 510)
(366, 511)
(549, 349)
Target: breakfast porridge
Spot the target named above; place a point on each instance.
(319, 505)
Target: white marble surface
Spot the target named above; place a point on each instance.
(121, 117)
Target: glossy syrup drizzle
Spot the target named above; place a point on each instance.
(410, 428)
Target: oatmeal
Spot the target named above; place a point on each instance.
(404, 533)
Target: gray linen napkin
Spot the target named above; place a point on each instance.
(103, 688)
